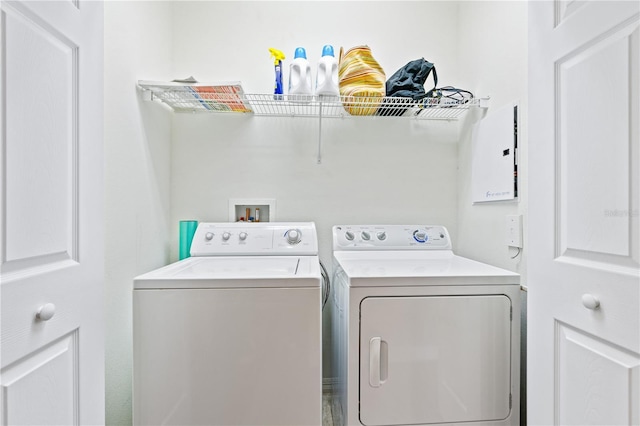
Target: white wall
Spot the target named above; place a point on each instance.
(493, 61)
(162, 168)
(137, 142)
(373, 170)
(229, 40)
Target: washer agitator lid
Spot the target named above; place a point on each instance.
(235, 272)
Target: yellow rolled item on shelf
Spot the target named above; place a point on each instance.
(361, 81)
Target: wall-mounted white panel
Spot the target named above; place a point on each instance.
(594, 142)
(596, 382)
(494, 160)
(42, 388)
(40, 160)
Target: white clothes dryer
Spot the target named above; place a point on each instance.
(232, 335)
(422, 336)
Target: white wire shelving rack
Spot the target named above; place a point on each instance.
(229, 97)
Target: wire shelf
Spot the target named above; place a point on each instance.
(229, 98)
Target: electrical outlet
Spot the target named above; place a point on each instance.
(514, 230)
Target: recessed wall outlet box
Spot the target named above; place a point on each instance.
(252, 209)
(514, 230)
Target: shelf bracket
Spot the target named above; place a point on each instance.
(147, 95)
(320, 131)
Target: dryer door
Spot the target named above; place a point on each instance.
(435, 359)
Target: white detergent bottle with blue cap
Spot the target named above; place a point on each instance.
(327, 76)
(300, 76)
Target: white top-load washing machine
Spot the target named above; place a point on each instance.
(232, 335)
(422, 336)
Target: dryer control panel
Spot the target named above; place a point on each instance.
(391, 237)
(255, 239)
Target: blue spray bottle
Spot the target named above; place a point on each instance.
(277, 56)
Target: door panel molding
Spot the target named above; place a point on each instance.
(596, 381)
(44, 385)
(40, 194)
(595, 227)
(566, 8)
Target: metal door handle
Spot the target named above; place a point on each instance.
(46, 312)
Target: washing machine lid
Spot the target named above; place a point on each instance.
(418, 268)
(234, 272)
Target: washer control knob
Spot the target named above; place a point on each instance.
(382, 235)
(226, 235)
(242, 236)
(293, 236)
(208, 236)
(420, 236)
(349, 235)
(366, 235)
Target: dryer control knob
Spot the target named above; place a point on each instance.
(293, 236)
(366, 235)
(420, 236)
(226, 235)
(242, 236)
(382, 235)
(349, 235)
(208, 236)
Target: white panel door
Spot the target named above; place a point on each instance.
(584, 153)
(435, 359)
(51, 204)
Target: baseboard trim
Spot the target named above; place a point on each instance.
(328, 384)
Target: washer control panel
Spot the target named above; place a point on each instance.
(250, 239)
(391, 237)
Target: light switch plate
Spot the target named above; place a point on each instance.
(514, 230)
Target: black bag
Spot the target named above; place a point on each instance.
(405, 90)
(408, 81)
(407, 85)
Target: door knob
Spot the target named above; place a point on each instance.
(46, 312)
(590, 301)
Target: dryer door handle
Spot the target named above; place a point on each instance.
(378, 362)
